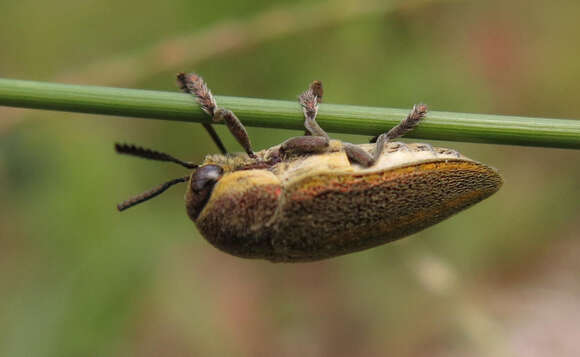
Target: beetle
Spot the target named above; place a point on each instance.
(311, 197)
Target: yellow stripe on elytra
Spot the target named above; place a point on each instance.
(240, 181)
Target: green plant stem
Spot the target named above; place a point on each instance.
(480, 128)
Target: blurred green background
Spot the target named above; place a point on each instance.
(78, 278)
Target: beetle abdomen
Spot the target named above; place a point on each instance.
(333, 214)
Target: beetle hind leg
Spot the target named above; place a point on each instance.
(418, 112)
(360, 156)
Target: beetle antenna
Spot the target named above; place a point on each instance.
(149, 194)
(193, 84)
(128, 149)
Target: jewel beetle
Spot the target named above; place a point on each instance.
(311, 197)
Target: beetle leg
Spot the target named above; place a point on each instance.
(409, 123)
(194, 84)
(315, 139)
(309, 101)
(358, 155)
(305, 144)
(236, 128)
(318, 91)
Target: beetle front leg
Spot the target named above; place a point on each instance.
(236, 128)
(194, 84)
(409, 123)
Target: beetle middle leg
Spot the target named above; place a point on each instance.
(318, 140)
(194, 84)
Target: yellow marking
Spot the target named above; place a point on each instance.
(316, 165)
(240, 181)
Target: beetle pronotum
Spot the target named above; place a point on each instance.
(311, 197)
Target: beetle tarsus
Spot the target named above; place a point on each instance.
(309, 102)
(317, 90)
(193, 84)
(315, 138)
(418, 112)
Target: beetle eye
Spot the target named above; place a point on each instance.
(202, 182)
(205, 176)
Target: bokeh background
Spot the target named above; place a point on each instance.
(78, 278)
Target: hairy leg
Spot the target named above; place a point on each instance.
(194, 84)
(356, 154)
(409, 123)
(318, 140)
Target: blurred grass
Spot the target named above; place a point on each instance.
(77, 278)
